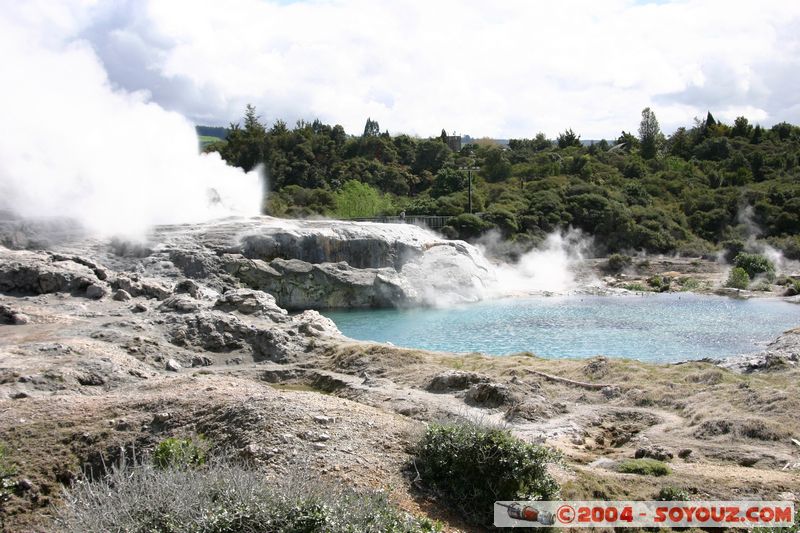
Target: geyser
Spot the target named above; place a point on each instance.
(73, 146)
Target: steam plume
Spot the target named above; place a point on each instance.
(73, 146)
(548, 268)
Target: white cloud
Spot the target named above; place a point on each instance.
(504, 69)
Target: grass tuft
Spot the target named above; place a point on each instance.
(644, 467)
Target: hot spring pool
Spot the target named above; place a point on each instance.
(658, 327)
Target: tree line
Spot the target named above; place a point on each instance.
(706, 186)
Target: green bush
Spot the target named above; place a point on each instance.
(174, 452)
(616, 263)
(644, 467)
(359, 200)
(471, 466)
(503, 219)
(755, 264)
(672, 494)
(763, 286)
(223, 497)
(659, 283)
(7, 473)
(732, 248)
(789, 245)
(469, 226)
(738, 279)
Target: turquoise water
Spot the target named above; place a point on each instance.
(664, 327)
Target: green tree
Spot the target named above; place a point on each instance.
(245, 146)
(567, 139)
(359, 200)
(650, 136)
(629, 140)
(371, 128)
(742, 128)
(448, 181)
(496, 166)
(431, 155)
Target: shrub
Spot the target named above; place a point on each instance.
(617, 263)
(644, 467)
(732, 248)
(738, 279)
(7, 473)
(472, 465)
(469, 226)
(755, 264)
(689, 284)
(174, 452)
(672, 494)
(659, 283)
(223, 497)
(505, 221)
(697, 248)
(763, 286)
(790, 246)
(792, 288)
(359, 200)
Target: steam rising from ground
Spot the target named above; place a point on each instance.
(752, 231)
(443, 277)
(72, 146)
(550, 267)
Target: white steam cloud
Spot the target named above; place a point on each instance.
(752, 231)
(73, 146)
(550, 267)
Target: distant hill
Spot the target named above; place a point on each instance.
(212, 131)
(210, 134)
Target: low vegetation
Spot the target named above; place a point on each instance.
(755, 265)
(659, 283)
(177, 452)
(616, 263)
(738, 279)
(644, 467)
(7, 473)
(224, 497)
(672, 494)
(470, 466)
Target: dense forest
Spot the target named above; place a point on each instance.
(705, 187)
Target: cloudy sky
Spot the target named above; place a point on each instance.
(503, 69)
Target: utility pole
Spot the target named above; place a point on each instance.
(469, 178)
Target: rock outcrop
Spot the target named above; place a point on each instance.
(303, 264)
(780, 354)
(23, 272)
(297, 284)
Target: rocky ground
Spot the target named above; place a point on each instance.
(109, 347)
